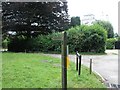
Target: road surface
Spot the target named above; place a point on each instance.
(105, 65)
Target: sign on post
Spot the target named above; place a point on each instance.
(64, 61)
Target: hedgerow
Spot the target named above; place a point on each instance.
(80, 38)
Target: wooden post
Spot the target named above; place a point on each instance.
(64, 61)
(79, 65)
(90, 66)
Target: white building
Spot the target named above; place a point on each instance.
(88, 19)
(104, 16)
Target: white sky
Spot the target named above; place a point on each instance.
(96, 7)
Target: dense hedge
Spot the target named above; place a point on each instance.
(110, 44)
(117, 43)
(46, 43)
(41, 43)
(82, 38)
(18, 44)
(5, 44)
(87, 39)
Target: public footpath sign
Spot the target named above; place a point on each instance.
(65, 58)
(64, 61)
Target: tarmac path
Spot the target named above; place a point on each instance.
(105, 65)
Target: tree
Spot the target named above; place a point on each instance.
(26, 20)
(107, 26)
(33, 18)
(116, 35)
(75, 21)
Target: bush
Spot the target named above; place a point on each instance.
(118, 38)
(17, 44)
(87, 38)
(80, 38)
(117, 43)
(111, 43)
(5, 44)
(46, 44)
(42, 43)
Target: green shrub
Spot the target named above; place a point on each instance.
(111, 43)
(5, 44)
(45, 43)
(87, 38)
(80, 38)
(17, 44)
(74, 39)
(119, 38)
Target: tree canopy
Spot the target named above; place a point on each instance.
(107, 26)
(75, 21)
(33, 18)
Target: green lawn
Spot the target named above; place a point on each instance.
(34, 70)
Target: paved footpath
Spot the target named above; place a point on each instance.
(105, 65)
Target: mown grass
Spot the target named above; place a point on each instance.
(35, 70)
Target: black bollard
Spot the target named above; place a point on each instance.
(90, 66)
(79, 71)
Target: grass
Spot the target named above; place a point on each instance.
(35, 70)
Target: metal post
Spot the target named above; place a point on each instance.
(79, 65)
(90, 66)
(76, 62)
(64, 61)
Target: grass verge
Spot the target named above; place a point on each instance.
(35, 70)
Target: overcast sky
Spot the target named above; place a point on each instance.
(96, 7)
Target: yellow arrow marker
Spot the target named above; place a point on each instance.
(68, 61)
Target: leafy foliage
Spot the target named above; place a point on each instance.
(87, 39)
(5, 43)
(110, 43)
(116, 35)
(81, 38)
(33, 18)
(41, 43)
(117, 43)
(119, 38)
(75, 21)
(107, 26)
